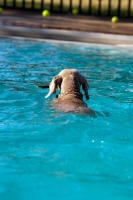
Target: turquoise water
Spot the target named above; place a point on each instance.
(45, 154)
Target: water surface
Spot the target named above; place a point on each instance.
(45, 154)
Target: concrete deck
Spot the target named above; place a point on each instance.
(66, 27)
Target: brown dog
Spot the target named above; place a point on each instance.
(70, 98)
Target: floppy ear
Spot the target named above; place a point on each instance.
(56, 81)
(85, 87)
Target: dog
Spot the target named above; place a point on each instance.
(70, 99)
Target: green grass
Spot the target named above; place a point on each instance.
(84, 9)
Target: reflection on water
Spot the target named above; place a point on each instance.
(45, 153)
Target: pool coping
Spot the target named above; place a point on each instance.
(66, 35)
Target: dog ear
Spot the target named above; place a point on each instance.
(56, 81)
(85, 87)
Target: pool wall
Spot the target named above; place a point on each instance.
(66, 35)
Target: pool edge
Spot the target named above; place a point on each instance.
(66, 35)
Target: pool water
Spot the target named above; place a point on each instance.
(46, 154)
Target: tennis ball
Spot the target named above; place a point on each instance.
(115, 19)
(45, 13)
(1, 10)
(75, 11)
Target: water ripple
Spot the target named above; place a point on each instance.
(42, 149)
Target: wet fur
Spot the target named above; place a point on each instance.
(70, 99)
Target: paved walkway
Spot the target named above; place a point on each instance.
(83, 24)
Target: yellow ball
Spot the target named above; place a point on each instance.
(1, 10)
(115, 19)
(45, 13)
(75, 11)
